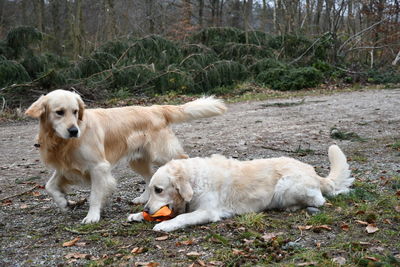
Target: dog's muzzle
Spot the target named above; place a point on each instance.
(73, 132)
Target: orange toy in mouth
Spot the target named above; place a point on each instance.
(162, 214)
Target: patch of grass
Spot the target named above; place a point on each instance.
(252, 220)
(358, 157)
(396, 145)
(321, 218)
(304, 152)
(342, 135)
(112, 242)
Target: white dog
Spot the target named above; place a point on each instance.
(84, 145)
(201, 190)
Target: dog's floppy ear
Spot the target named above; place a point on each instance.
(81, 107)
(37, 108)
(181, 183)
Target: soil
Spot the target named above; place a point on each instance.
(32, 229)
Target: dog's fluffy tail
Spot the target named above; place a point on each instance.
(200, 108)
(338, 180)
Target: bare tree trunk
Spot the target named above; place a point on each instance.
(38, 6)
(150, 15)
(55, 6)
(201, 12)
(277, 16)
(317, 17)
(77, 29)
(264, 16)
(111, 20)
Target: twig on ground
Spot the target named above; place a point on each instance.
(19, 194)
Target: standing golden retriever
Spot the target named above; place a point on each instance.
(202, 190)
(84, 145)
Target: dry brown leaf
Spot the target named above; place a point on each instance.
(324, 226)
(306, 227)
(184, 243)
(398, 193)
(339, 260)
(397, 208)
(361, 222)
(162, 238)
(36, 193)
(23, 206)
(371, 258)
(310, 263)
(269, 236)
(6, 202)
(158, 247)
(77, 255)
(238, 252)
(387, 221)
(201, 263)
(215, 263)
(80, 244)
(345, 227)
(193, 254)
(147, 264)
(71, 242)
(371, 228)
(364, 243)
(137, 250)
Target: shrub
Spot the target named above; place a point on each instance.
(34, 65)
(212, 35)
(389, 75)
(11, 72)
(21, 38)
(286, 79)
(265, 64)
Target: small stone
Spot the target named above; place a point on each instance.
(312, 210)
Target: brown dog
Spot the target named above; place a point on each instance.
(84, 145)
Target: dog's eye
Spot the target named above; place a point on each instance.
(158, 190)
(60, 112)
(75, 112)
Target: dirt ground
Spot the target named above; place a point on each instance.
(33, 230)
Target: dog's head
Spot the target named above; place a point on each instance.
(62, 110)
(169, 186)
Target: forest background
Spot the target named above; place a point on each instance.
(125, 48)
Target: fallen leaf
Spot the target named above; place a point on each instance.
(339, 260)
(324, 226)
(387, 221)
(184, 243)
(361, 222)
(36, 193)
(364, 243)
(269, 236)
(137, 250)
(345, 227)
(80, 244)
(360, 212)
(77, 255)
(71, 242)
(23, 206)
(162, 238)
(147, 264)
(158, 247)
(371, 258)
(397, 208)
(306, 227)
(371, 228)
(215, 263)
(238, 252)
(201, 263)
(307, 263)
(6, 202)
(398, 193)
(193, 254)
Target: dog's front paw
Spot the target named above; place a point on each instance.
(62, 203)
(165, 226)
(91, 218)
(142, 199)
(135, 217)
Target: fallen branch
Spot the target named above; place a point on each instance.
(19, 194)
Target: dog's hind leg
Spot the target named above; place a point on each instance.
(55, 187)
(102, 184)
(144, 168)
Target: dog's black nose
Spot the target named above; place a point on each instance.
(73, 131)
(146, 209)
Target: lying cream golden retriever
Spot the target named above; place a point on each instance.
(84, 145)
(201, 190)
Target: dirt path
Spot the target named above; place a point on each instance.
(32, 230)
